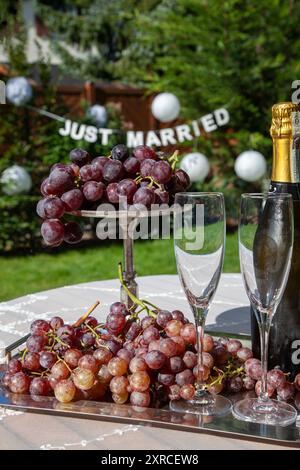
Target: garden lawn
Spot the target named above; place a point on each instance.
(28, 274)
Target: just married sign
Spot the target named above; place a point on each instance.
(159, 138)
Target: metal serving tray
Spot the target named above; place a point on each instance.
(226, 426)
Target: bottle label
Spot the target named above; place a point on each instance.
(295, 148)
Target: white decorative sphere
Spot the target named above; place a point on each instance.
(15, 180)
(98, 114)
(18, 90)
(250, 166)
(165, 107)
(196, 166)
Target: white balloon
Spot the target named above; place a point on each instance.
(15, 180)
(18, 90)
(250, 166)
(98, 114)
(165, 107)
(196, 165)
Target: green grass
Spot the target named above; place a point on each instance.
(28, 274)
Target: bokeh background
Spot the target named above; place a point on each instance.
(241, 55)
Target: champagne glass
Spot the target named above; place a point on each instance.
(199, 240)
(266, 230)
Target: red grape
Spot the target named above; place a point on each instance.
(39, 327)
(137, 364)
(103, 356)
(79, 156)
(188, 333)
(32, 361)
(190, 359)
(155, 359)
(146, 167)
(39, 386)
(119, 385)
(104, 376)
(185, 377)
(93, 191)
(117, 366)
(270, 388)
(140, 399)
(60, 371)
(40, 208)
(64, 391)
(208, 343)
(125, 354)
(127, 188)
(163, 317)
(132, 165)
(285, 391)
(47, 359)
(167, 347)
(243, 354)
(72, 357)
(72, 200)
(46, 188)
(83, 378)
(248, 383)
(142, 152)
(35, 343)
(144, 197)
(53, 207)
(166, 379)
(177, 315)
(60, 181)
(150, 334)
(235, 384)
(161, 172)
(14, 366)
(53, 232)
(89, 362)
(139, 381)
(100, 162)
(297, 382)
(113, 171)
(19, 383)
(187, 391)
(174, 392)
(112, 193)
(176, 364)
(180, 344)
(91, 173)
(56, 322)
(115, 322)
(119, 152)
(173, 328)
(233, 346)
(72, 232)
(276, 377)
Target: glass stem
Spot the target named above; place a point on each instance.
(264, 330)
(200, 316)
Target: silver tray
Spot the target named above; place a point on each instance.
(226, 426)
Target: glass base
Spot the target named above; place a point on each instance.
(273, 412)
(207, 405)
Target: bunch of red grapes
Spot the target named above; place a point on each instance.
(128, 359)
(140, 179)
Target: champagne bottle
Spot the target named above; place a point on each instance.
(284, 343)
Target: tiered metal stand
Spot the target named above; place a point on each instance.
(127, 222)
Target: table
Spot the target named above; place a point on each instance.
(229, 312)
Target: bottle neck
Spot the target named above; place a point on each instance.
(286, 160)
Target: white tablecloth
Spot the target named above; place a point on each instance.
(229, 312)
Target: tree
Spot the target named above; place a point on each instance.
(97, 30)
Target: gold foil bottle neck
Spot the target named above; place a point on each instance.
(285, 134)
(281, 126)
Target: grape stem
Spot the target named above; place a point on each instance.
(87, 314)
(142, 303)
(173, 160)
